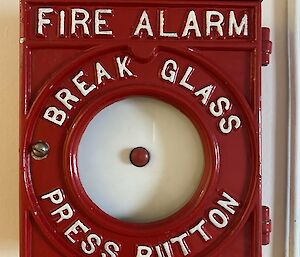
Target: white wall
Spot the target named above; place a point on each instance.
(293, 246)
(9, 69)
(275, 97)
(275, 120)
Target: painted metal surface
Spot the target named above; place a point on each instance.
(204, 58)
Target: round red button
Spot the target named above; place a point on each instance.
(139, 157)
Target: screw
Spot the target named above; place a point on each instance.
(39, 150)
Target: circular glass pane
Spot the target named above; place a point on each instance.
(156, 136)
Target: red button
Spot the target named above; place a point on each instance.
(139, 157)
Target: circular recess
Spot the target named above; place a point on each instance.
(140, 193)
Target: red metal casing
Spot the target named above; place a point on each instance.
(224, 217)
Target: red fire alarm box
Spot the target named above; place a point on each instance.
(196, 62)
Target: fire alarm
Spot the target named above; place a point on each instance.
(140, 128)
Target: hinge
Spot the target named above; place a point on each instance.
(266, 46)
(266, 225)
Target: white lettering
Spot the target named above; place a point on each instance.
(191, 24)
(100, 22)
(172, 71)
(64, 96)
(206, 93)
(101, 72)
(166, 249)
(217, 112)
(144, 24)
(75, 228)
(185, 78)
(82, 85)
(56, 196)
(111, 248)
(217, 223)
(122, 67)
(143, 251)
(41, 21)
(238, 28)
(89, 247)
(82, 22)
(227, 205)
(62, 16)
(199, 228)
(55, 115)
(161, 26)
(217, 24)
(180, 239)
(233, 122)
(65, 212)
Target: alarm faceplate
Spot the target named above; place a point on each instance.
(204, 60)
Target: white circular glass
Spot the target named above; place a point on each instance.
(140, 194)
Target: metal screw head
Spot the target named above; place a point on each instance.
(40, 150)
